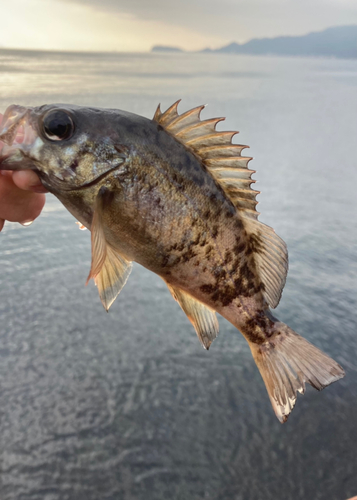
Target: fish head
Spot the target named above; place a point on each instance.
(69, 147)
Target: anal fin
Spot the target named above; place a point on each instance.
(202, 317)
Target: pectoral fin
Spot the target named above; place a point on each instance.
(112, 277)
(109, 269)
(99, 244)
(202, 318)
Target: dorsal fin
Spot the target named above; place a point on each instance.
(224, 162)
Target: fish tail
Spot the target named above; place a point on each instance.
(287, 361)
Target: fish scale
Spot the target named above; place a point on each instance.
(174, 195)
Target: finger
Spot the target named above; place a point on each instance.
(28, 181)
(6, 173)
(2, 222)
(17, 205)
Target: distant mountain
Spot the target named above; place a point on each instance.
(165, 48)
(339, 41)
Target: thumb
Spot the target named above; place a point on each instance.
(28, 181)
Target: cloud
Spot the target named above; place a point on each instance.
(237, 20)
(137, 25)
(59, 25)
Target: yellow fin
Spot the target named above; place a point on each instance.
(109, 269)
(202, 317)
(286, 362)
(99, 244)
(224, 162)
(112, 277)
(271, 259)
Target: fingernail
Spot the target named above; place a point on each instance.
(28, 223)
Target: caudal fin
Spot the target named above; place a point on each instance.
(286, 362)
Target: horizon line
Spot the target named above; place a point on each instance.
(150, 50)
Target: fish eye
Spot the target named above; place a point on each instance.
(58, 125)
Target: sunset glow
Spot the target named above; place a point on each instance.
(112, 25)
(56, 25)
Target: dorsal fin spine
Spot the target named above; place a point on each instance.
(215, 138)
(186, 118)
(220, 151)
(157, 114)
(231, 161)
(170, 114)
(199, 125)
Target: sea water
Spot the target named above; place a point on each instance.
(127, 405)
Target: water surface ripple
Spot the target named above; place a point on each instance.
(127, 405)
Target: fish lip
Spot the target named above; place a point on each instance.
(9, 161)
(11, 121)
(13, 154)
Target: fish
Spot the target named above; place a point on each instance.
(175, 195)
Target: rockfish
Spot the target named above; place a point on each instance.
(173, 194)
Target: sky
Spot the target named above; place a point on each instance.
(137, 25)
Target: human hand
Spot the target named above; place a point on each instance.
(21, 196)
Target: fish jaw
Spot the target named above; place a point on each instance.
(17, 139)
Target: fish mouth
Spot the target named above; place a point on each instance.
(17, 136)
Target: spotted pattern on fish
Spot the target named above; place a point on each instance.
(173, 194)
